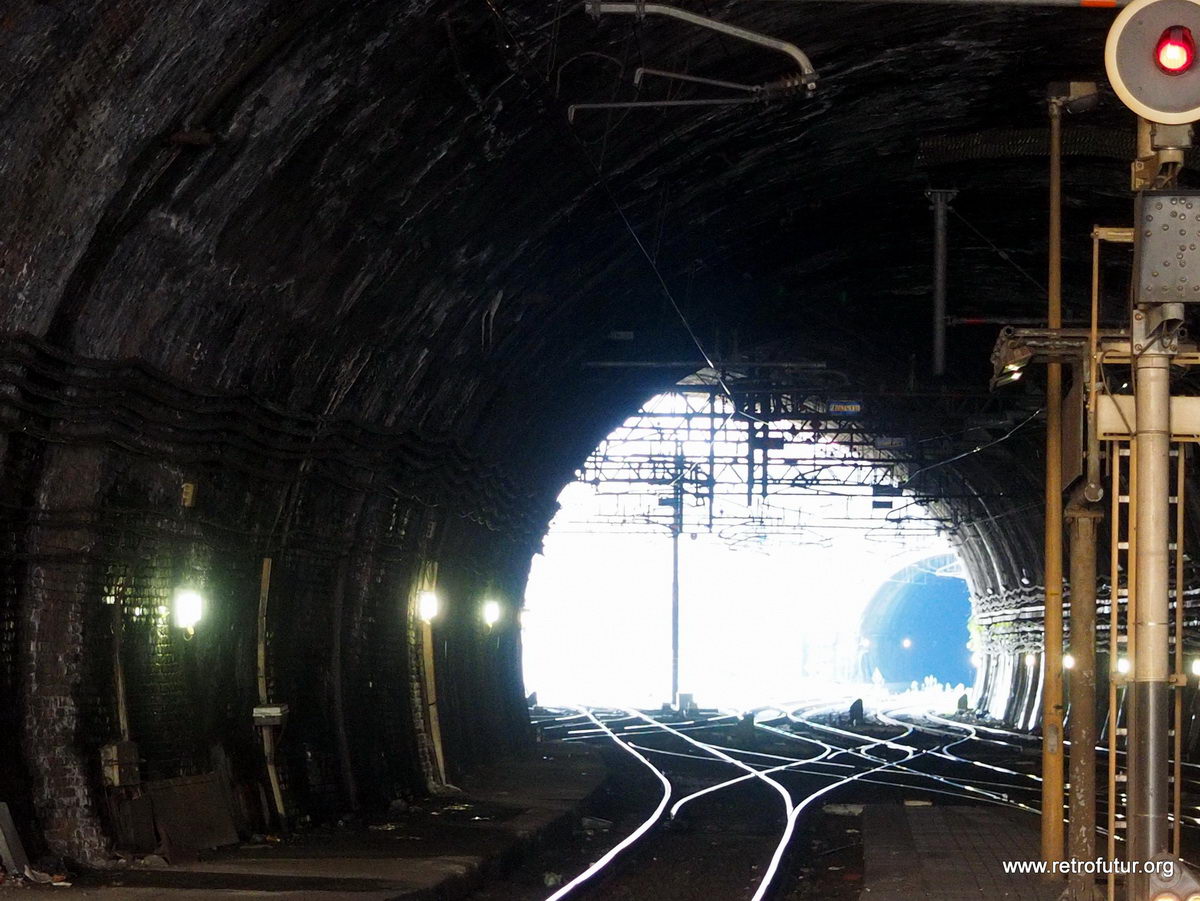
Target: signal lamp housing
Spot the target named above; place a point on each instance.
(1150, 58)
(1176, 51)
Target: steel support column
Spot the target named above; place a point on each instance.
(941, 204)
(1148, 739)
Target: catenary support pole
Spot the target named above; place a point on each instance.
(676, 531)
(1052, 685)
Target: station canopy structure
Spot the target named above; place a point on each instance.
(750, 461)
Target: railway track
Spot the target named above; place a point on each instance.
(715, 775)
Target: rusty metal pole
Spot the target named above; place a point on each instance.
(1083, 523)
(1052, 686)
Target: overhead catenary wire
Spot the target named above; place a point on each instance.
(601, 180)
(975, 450)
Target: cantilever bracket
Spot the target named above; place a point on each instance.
(806, 78)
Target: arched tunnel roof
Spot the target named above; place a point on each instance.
(264, 240)
(379, 212)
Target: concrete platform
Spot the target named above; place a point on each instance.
(950, 853)
(440, 849)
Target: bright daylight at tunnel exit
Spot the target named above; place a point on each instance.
(744, 556)
(599, 450)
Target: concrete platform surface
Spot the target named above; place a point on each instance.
(950, 853)
(441, 848)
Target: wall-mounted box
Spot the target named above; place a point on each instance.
(119, 763)
(270, 714)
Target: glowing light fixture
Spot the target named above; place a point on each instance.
(189, 608)
(906, 643)
(1068, 661)
(1123, 665)
(1030, 660)
(1196, 667)
(491, 613)
(427, 606)
(1176, 50)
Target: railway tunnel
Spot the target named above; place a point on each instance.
(310, 311)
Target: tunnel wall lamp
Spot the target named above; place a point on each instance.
(491, 613)
(189, 608)
(428, 606)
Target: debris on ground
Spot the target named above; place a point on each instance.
(595, 824)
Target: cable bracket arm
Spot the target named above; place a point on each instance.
(641, 9)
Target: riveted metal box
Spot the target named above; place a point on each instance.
(1167, 248)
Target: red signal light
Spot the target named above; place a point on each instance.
(1176, 50)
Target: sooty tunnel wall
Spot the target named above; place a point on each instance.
(340, 266)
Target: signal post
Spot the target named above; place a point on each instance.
(1150, 56)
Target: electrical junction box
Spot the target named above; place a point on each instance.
(119, 764)
(270, 714)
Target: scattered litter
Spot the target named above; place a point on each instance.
(384, 827)
(915, 802)
(63, 884)
(45, 878)
(836, 869)
(843, 810)
(852, 831)
(596, 824)
(153, 860)
(37, 876)
(551, 879)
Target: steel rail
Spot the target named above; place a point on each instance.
(633, 837)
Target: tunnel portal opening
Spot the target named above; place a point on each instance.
(918, 627)
(788, 530)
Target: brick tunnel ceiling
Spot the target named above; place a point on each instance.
(379, 210)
